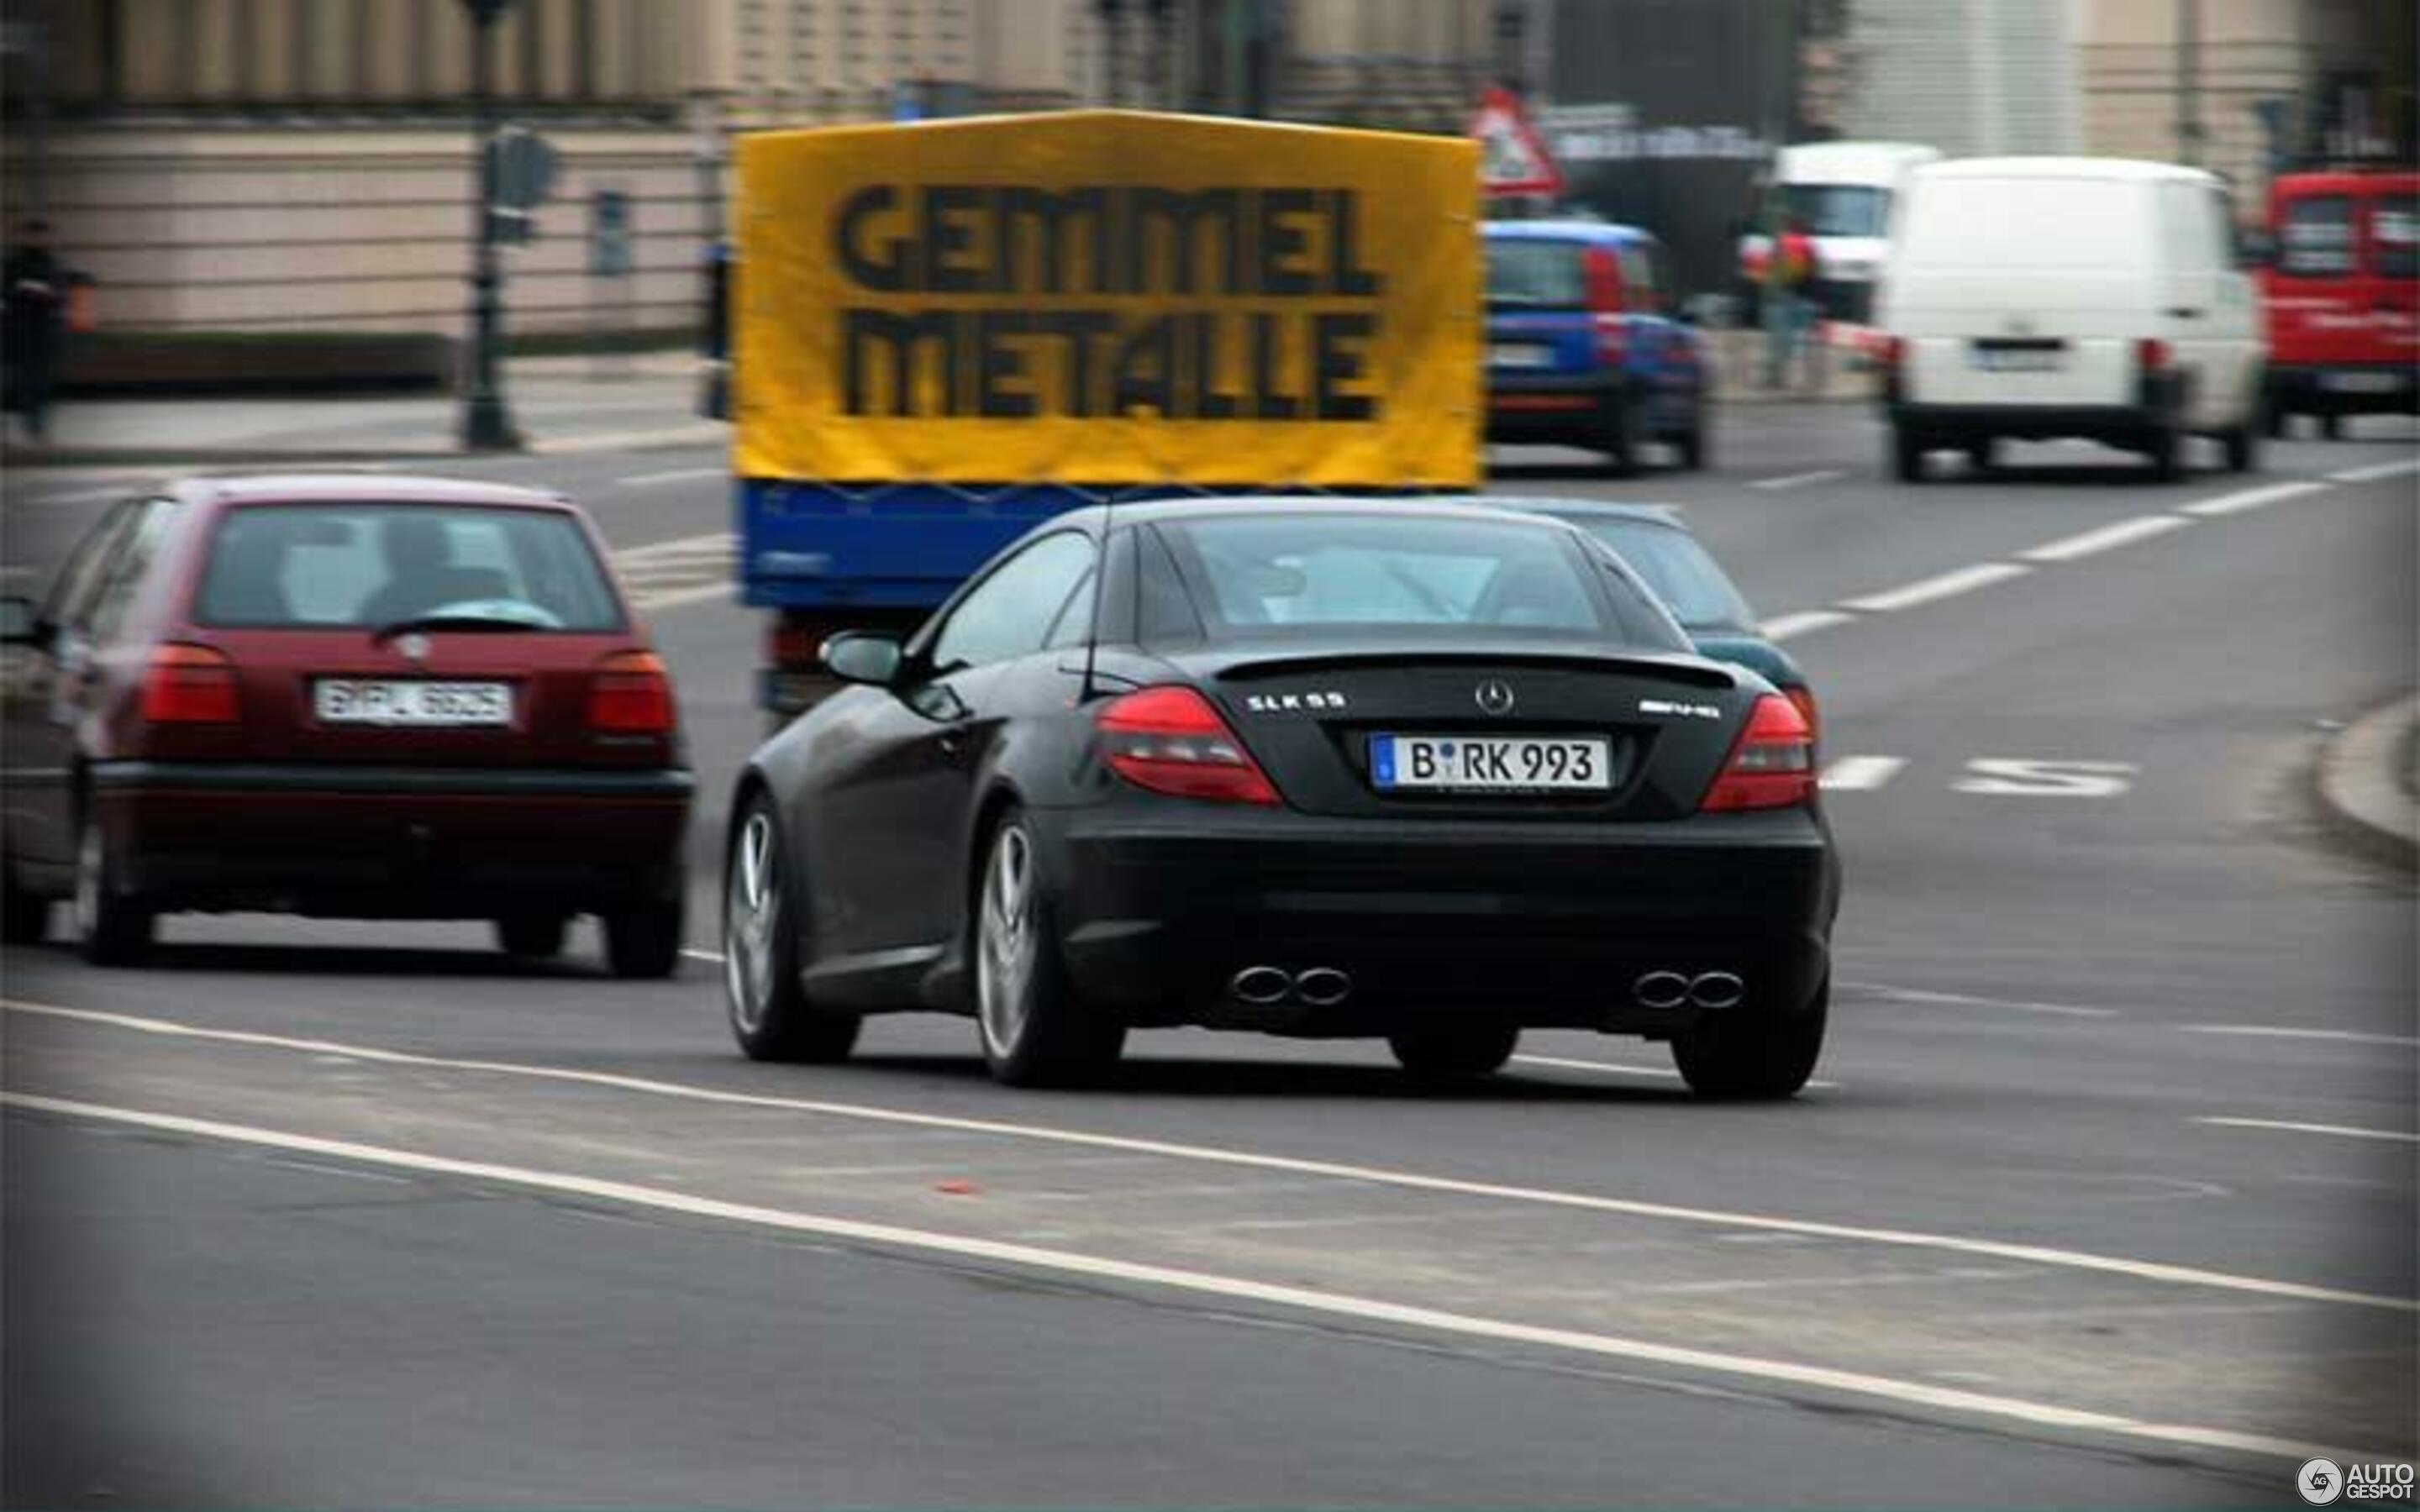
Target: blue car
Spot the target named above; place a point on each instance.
(1583, 345)
(1654, 542)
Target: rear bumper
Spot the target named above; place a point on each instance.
(393, 843)
(1528, 923)
(1554, 409)
(1948, 424)
(2345, 387)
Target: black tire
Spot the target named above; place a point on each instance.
(1739, 1052)
(1983, 455)
(2165, 451)
(1907, 456)
(2242, 445)
(1696, 446)
(532, 937)
(2332, 426)
(1035, 1029)
(24, 916)
(113, 927)
(643, 937)
(2277, 420)
(769, 1015)
(1454, 1050)
(1625, 439)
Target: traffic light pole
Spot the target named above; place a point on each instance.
(487, 425)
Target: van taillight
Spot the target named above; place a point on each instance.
(1773, 767)
(189, 684)
(628, 694)
(2150, 354)
(1894, 353)
(1171, 740)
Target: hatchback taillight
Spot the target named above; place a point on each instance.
(1601, 274)
(1171, 740)
(189, 684)
(628, 694)
(1773, 766)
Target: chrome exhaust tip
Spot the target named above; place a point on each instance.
(1717, 989)
(1660, 989)
(1323, 986)
(1260, 986)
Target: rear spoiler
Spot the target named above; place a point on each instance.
(1676, 669)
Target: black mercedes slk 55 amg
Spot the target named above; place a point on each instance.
(1307, 766)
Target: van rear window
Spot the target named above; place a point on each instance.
(2315, 237)
(2394, 231)
(2024, 224)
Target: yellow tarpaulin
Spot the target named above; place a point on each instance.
(1108, 296)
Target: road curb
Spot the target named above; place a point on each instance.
(2366, 783)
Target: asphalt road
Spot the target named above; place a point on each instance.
(2106, 1194)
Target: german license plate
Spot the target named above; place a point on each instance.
(1519, 354)
(346, 701)
(2362, 382)
(1491, 764)
(2018, 359)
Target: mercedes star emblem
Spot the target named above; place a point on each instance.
(1495, 696)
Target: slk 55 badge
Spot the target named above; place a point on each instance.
(1293, 702)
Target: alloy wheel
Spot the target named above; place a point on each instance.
(1004, 941)
(751, 914)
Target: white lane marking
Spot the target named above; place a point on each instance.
(2371, 474)
(1791, 625)
(711, 543)
(673, 598)
(2282, 1032)
(1217, 1155)
(1932, 590)
(2025, 777)
(80, 496)
(1799, 479)
(648, 480)
(1333, 1303)
(2344, 1130)
(1860, 774)
(2108, 538)
(1617, 1069)
(2235, 504)
(1910, 994)
(695, 954)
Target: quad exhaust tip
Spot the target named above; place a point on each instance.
(1671, 989)
(1266, 986)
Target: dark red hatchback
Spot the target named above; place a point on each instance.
(345, 696)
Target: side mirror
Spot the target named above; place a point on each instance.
(21, 623)
(869, 656)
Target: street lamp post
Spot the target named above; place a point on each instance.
(486, 425)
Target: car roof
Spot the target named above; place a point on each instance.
(361, 488)
(2123, 170)
(1563, 230)
(1231, 507)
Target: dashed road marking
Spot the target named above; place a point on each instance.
(2106, 538)
(649, 480)
(1799, 479)
(2273, 1031)
(2341, 1130)
(2025, 777)
(2151, 1270)
(1860, 774)
(2371, 474)
(1932, 590)
(1911, 1394)
(1913, 994)
(1805, 624)
(2235, 504)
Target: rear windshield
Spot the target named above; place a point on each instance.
(1302, 574)
(367, 566)
(1838, 209)
(1546, 275)
(2315, 237)
(2024, 224)
(1677, 567)
(2394, 230)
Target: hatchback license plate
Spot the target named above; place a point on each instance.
(1519, 354)
(1491, 764)
(343, 701)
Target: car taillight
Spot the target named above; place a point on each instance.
(1773, 766)
(791, 646)
(628, 694)
(1171, 740)
(1601, 272)
(189, 684)
(1894, 353)
(1802, 700)
(2150, 354)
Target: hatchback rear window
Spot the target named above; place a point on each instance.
(1540, 275)
(1304, 573)
(334, 567)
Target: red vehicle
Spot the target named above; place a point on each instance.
(2342, 294)
(342, 696)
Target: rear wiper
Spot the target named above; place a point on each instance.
(491, 623)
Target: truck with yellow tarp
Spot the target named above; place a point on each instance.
(947, 331)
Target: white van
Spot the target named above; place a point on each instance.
(2036, 297)
(1842, 193)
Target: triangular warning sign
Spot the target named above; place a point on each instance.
(1513, 157)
